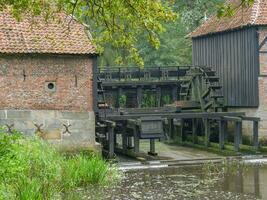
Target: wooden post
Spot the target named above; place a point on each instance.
(158, 96)
(207, 132)
(256, 135)
(172, 129)
(221, 133)
(238, 135)
(174, 93)
(124, 138)
(194, 130)
(139, 96)
(111, 141)
(136, 141)
(182, 136)
(152, 148)
(118, 97)
(129, 142)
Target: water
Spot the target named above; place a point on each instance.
(207, 182)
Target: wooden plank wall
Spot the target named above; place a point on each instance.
(235, 57)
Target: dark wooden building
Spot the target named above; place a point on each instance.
(236, 47)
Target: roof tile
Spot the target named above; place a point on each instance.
(60, 35)
(254, 15)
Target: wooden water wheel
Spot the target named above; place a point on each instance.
(201, 85)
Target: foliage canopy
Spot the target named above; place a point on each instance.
(130, 25)
(116, 22)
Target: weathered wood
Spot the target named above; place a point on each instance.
(110, 125)
(136, 140)
(174, 93)
(211, 115)
(129, 142)
(182, 135)
(230, 118)
(194, 130)
(118, 97)
(152, 148)
(256, 135)
(246, 118)
(207, 132)
(221, 133)
(139, 96)
(171, 128)
(151, 127)
(158, 90)
(238, 135)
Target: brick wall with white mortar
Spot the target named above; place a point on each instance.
(26, 103)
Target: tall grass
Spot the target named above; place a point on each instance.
(32, 169)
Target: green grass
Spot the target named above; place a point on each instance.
(32, 169)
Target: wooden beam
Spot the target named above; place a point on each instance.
(174, 93)
(203, 115)
(136, 140)
(238, 135)
(158, 91)
(207, 132)
(152, 151)
(182, 135)
(221, 134)
(111, 144)
(139, 96)
(194, 130)
(256, 135)
(118, 96)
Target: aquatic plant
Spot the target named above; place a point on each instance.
(32, 169)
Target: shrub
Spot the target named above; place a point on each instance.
(28, 165)
(81, 170)
(32, 169)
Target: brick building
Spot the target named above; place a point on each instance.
(46, 79)
(236, 47)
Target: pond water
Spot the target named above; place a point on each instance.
(236, 181)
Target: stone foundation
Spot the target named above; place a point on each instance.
(67, 130)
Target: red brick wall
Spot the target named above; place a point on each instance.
(31, 93)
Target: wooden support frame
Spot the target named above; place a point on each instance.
(152, 151)
(139, 96)
(221, 134)
(207, 132)
(255, 134)
(111, 148)
(174, 93)
(158, 96)
(194, 130)
(136, 140)
(238, 135)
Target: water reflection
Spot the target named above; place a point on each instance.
(244, 183)
(249, 180)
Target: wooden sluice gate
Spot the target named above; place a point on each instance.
(193, 108)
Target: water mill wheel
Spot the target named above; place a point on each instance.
(201, 85)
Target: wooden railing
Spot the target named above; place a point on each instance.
(148, 73)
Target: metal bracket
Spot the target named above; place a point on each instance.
(67, 127)
(9, 127)
(38, 128)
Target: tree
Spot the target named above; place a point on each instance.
(175, 46)
(117, 22)
(122, 24)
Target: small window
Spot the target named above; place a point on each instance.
(50, 86)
